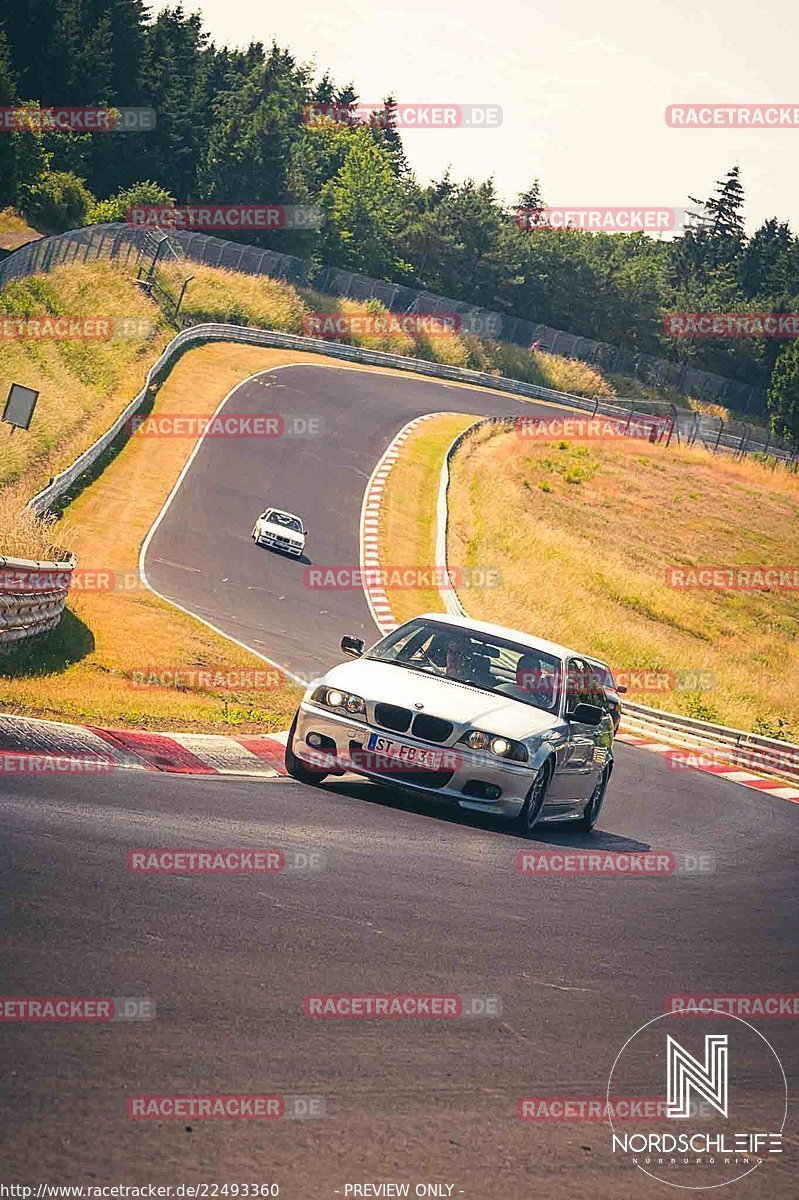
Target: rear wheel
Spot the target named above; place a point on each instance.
(528, 817)
(296, 768)
(594, 806)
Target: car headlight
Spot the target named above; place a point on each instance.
(500, 747)
(354, 706)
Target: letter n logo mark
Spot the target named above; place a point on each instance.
(708, 1079)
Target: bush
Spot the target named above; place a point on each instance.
(56, 201)
(115, 208)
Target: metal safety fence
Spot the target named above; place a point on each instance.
(124, 243)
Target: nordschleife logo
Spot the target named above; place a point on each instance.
(725, 1101)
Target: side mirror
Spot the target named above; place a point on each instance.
(352, 645)
(586, 714)
(621, 688)
(305, 534)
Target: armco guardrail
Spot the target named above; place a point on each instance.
(198, 334)
(32, 596)
(744, 751)
(125, 242)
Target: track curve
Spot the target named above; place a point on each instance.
(200, 555)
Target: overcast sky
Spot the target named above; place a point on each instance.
(583, 90)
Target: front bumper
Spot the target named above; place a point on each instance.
(266, 539)
(463, 766)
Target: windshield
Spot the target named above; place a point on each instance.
(275, 517)
(491, 664)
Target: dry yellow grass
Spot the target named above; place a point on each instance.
(220, 294)
(24, 535)
(217, 294)
(583, 535)
(15, 230)
(407, 525)
(83, 385)
(547, 370)
(12, 221)
(89, 663)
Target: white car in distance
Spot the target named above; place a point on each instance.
(280, 531)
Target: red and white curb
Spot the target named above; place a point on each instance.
(375, 593)
(696, 760)
(51, 747)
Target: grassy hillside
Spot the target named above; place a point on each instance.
(217, 294)
(583, 536)
(83, 384)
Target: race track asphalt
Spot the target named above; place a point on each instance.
(201, 555)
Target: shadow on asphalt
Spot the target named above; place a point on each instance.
(449, 812)
(302, 558)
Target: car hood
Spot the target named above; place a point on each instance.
(271, 527)
(455, 702)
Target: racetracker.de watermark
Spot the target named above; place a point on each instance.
(51, 328)
(631, 679)
(76, 119)
(76, 1008)
(389, 1005)
(384, 763)
(24, 763)
(731, 325)
(740, 1004)
(734, 579)
(218, 1107)
(207, 679)
(405, 577)
(591, 429)
(736, 758)
(241, 860)
(603, 218)
(616, 863)
(80, 579)
(689, 679)
(579, 1109)
(733, 116)
(406, 116)
(223, 425)
(225, 216)
(338, 325)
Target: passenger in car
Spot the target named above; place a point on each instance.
(535, 683)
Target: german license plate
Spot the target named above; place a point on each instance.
(415, 756)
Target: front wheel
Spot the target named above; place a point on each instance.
(594, 806)
(295, 767)
(528, 817)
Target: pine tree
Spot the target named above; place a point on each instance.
(384, 126)
(8, 141)
(364, 204)
(783, 394)
(723, 211)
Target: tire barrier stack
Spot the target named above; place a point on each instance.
(32, 596)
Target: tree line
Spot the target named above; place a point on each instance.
(231, 128)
